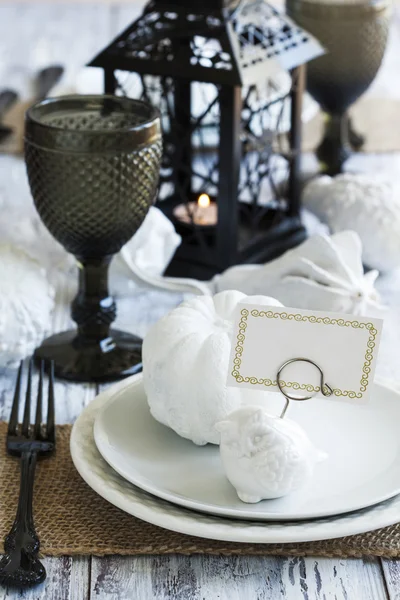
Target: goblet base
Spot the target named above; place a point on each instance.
(78, 359)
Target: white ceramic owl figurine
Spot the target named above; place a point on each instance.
(264, 456)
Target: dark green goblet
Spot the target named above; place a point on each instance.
(354, 35)
(93, 165)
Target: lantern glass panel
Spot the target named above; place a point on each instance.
(265, 152)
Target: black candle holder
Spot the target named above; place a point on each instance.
(93, 165)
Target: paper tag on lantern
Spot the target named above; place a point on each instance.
(345, 347)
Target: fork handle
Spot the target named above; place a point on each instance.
(20, 565)
(23, 532)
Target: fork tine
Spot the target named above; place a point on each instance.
(50, 406)
(12, 426)
(27, 409)
(38, 418)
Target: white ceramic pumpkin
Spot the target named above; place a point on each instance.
(185, 366)
(367, 204)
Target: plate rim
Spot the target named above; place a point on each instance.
(207, 508)
(164, 514)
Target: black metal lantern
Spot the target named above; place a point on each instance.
(210, 67)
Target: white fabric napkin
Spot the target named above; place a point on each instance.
(324, 273)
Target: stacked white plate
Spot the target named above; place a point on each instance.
(147, 470)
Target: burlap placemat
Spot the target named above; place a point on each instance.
(72, 519)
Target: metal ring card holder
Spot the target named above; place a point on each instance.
(325, 388)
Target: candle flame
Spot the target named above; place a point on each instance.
(204, 200)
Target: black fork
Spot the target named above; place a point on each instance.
(20, 566)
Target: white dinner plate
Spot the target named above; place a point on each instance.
(107, 483)
(362, 469)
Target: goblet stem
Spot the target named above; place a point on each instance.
(335, 148)
(356, 140)
(94, 308)
(94, 352)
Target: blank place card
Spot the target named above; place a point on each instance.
(345, 347)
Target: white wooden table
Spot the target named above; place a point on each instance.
(31, 36)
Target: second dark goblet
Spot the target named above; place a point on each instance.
(93, 165)
(354, 35)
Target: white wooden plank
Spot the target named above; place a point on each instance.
(391, 571)
(80, 577)
(235, 578)
(67, 579)
(322, 578)
(185, 578)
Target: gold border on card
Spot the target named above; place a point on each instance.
(294, 385)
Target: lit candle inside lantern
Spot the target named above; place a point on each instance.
(204, 200)
(203, 212)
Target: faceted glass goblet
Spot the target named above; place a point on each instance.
(355, 36)
(93, 166)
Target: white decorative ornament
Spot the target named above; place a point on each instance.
(26, 303)
(264, 456)
(368, 205)
(185, 366)
(323, 273)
